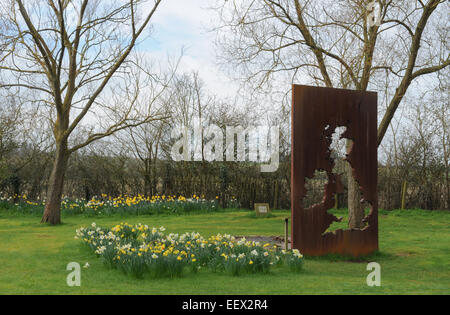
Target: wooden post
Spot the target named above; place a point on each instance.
(275, 198)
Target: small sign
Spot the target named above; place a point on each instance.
(262, 209)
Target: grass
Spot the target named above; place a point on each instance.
(414, 257)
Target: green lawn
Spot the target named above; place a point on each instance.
(414, 257)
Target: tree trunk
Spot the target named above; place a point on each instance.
(87, 192)
(404, 188)
(147, 178)
(52, 213)
(447, 184)
(15, 180)
(355, 208)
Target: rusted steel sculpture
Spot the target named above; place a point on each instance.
(316, 113)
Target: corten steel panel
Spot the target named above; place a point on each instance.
(316, 113)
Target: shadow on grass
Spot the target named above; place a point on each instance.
(252, 215)
(377, 256)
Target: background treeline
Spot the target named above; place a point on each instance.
(414, 161)
(234, 183)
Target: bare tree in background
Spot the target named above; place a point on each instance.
(145, 143)
(442, 116)
(335, 44)
(9, 118)
(70, 52)
(21, 141)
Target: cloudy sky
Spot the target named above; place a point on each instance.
(185, 24)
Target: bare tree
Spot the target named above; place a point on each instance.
(441, 113)
(336, 44)
(9, 117)
(69, 52)
(145, 143)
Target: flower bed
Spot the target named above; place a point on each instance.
(121, 205)
(139, 250)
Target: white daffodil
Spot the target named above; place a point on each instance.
(100, 250)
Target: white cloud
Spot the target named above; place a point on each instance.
(193, 12)
(185, 24)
